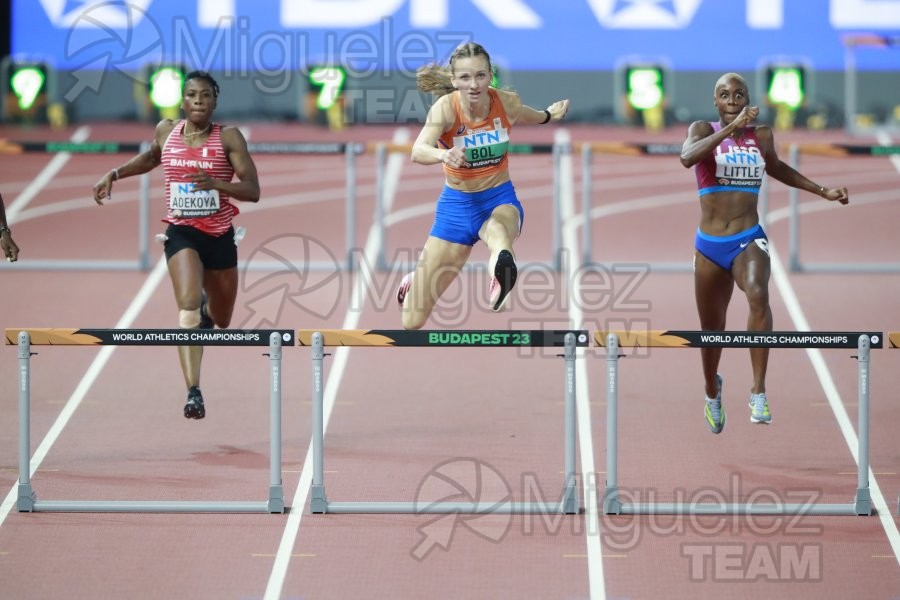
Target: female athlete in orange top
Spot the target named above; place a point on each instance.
(467, 131)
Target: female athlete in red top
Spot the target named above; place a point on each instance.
(200, 158)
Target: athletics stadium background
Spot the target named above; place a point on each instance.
(97, 56)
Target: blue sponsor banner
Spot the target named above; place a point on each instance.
(251, 36)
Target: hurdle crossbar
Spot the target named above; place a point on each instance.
(613, 340)
(319, 339)
(27, 500)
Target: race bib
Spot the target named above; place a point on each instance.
(740, 166)
(484, 148)
(185, 202)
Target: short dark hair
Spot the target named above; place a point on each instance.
(205, 77)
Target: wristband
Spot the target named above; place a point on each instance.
(5, 228)
(547, 118)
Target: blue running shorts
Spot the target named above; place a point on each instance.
(723, 250)
(459, 215)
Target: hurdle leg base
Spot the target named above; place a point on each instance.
(570, 500)
(318, 503)
(26, 498)
(276, 499)
(611, 503)
(863, 502)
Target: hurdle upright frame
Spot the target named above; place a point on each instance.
(798, 266)
(613, 503)
(319, 339)
(27, 500)
(587, 152)
(349, 150)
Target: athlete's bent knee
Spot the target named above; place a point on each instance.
(189, 319)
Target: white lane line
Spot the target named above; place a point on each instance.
(90, 376)
(43, 178)
(596, 581)
(362, 282)
(834, 398)
(783, 284)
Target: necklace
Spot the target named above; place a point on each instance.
(195, 133)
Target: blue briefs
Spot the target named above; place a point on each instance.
(723, 250)
(460, 215)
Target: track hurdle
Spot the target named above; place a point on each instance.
(588, 151)
(348, 150)
(833, 150)
(854, 122)
(319, 339)
(613, 340)
(27, 500)
(142, 262)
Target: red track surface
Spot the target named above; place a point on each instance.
(398, 416)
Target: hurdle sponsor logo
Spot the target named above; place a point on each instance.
(782, 340)
(661, 149)
(163, 337)
(782, 561)
(476, 338)
(749, 338)
(128, 337)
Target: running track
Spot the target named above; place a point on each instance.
(106, 423)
